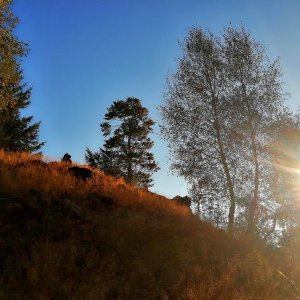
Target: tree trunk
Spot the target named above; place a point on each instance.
(254, 201)
(129, 160)
(229, 182)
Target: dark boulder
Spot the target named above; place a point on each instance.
(80, 173)
(185, 201)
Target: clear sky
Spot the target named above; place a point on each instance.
(86, 54)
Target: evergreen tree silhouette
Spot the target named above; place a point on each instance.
(126, 150)
(17, 133)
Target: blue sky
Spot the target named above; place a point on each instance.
(86, 54)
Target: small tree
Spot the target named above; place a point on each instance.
(126, 150)
(17, 133)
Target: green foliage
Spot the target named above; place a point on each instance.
(17, 133)
(126, 149)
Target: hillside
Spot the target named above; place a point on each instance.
(64, 238)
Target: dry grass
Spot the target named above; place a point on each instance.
(19, 176)
(143, 247)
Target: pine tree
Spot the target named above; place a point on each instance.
(126, 150)
(17, 133)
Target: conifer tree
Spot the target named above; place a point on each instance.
(17, 133)
(126, 150)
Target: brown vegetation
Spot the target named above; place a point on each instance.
(64, 238)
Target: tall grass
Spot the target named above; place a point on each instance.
(143, 247)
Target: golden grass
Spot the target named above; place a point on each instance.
(144, 247)
(19, 176)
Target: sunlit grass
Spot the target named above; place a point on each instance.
(19, 176)
(144, 247)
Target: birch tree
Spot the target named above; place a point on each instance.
(223, 109)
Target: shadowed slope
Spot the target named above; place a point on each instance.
(64, 238)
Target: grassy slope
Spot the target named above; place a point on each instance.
(57, 241)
